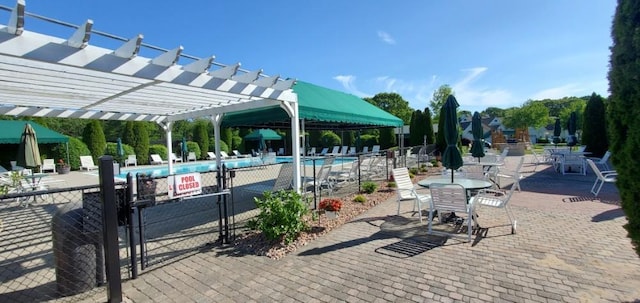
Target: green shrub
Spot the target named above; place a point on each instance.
(201, 136)
(329, 138)
(158, 149)
(392, 184)
(112, 150)
(359, 199)
(194, 147)
(369, 187)
(223, 145)
(93, 137)
(280, 215)
(77, 148)
(413, 170)
(141, 142)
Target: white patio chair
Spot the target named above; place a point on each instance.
(312, 152)
(48, 165)
(175, 158)
(450, 197)
(538, 159)
(321, 180)
(365, 150)
(602, 162)
(514, 174)
(324, 151)
(351, 151)
(86, 163)
(335, 151)
(406, 191)
(131, 160)
(375, 149)
(602, 177)
(496, 199)
(191, 156)
(343, 177)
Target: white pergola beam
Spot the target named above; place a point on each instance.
(169, 58)
(199, 67)
(130, 49)
(248, 77)
(80, 38)
(16, 21)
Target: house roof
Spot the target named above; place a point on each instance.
(12, 132)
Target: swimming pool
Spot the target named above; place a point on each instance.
(210, 166)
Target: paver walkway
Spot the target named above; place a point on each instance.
(569, 247)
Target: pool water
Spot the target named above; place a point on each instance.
(209, 166)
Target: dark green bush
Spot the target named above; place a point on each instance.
(414, 170)
(141, 145)
(329, 139)
(201, 136)
(194, 147)
(77, 148)
(223, 145)
(369, 187)
(392, 184)
(112, 150)
(93, 137)
(280, 215)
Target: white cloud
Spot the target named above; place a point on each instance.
(347, 82)
(473, 98)
(573, 89)
(386, 37)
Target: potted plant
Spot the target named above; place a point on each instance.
(331, 207)
(62, 167)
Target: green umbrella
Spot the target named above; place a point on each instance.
(557, 129)
(477, 150)
(451, 159)
(28, 151)
(184, 148)
(263, 134)
(119, 148)
(571, 129)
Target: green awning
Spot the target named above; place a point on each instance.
(12, 131)
(321, 106)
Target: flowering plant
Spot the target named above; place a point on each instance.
(62, 164)
(330, 204)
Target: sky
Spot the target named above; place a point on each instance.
(493, 53)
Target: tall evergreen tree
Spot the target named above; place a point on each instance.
(201, 136)
(428, 123)
(141, 142)
(594, 127)
(227, 137)
(128, 135)
(93, 137)
(415, 128)
(387, 138)
(622, 111)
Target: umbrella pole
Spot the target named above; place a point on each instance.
(452, 175)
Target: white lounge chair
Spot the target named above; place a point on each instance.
(602, 162)
(131, 160)
(175, 158)
(239, 155)
(48, 165)
(324, 151)
(365, 150)
(406, 191)
(515, 175)
(156, 159)
(191, 156)
(312, 152)
(335, 151)
(602, 177)
(375, 149)
(283, 181)
(211, 156)
(86, 162)
(224, 155)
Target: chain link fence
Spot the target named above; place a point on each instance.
(51, 245)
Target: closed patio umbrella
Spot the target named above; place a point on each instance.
(28, 152)
(185, 150)
(571, 129)
(451, 159)
(557, 129)
(477, 149)
(119, 149)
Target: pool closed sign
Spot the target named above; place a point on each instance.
(184, 185)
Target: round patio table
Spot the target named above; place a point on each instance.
(468, 184)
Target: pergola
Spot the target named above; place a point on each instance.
(46, 76)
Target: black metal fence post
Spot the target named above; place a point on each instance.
(110, 229)
(130, 227)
